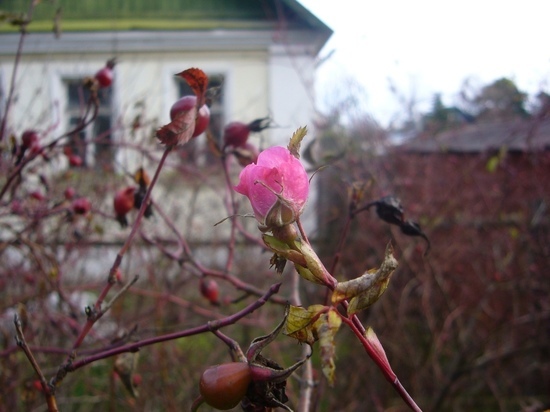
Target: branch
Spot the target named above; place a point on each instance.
(208, 327)
(22, 343)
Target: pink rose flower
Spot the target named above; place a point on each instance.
(277, 187)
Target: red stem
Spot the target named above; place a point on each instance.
(382, 364)
(118, 260)
(210, 326)
(232, 211)
(18, 55)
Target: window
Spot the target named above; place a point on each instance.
(196, 150)
(94, 143)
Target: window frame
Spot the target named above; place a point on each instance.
(61, 77)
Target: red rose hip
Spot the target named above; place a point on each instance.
(187, 103)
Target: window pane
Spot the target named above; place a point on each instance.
(77, 141)
(104, 155)
(95, 136)
(77, 96)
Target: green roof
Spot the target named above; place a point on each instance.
(99, 15)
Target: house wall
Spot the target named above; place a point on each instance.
(146, 78)
(260, 81)
(257, 84)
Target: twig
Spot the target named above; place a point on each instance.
(306, 380)
(118, 260)
(141, 212)
(22, 343)
(235, 350)
(384, 366)
(95, 313)
(209, 327)
(232, 211)
(79, 127)
(16, 62)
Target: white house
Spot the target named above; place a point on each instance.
(262, 53)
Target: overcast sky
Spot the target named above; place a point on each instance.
(429, 46)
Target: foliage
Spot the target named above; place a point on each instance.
(467, 322)
(457, 323)
(498, 101)
(107, 278)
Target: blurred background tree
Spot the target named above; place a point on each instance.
(469, 322)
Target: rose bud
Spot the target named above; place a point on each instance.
(277, 187)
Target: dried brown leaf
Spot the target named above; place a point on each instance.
(197, 81)
(326, 328)
(180, 130)
(366, 289)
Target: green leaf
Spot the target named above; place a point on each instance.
(296, 141)
(492, 164)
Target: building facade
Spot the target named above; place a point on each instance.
(262, 54)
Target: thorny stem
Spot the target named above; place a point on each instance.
(85, 121)
(388, 373)
(359, 330)
(302, 231)
(232, 211)
(141, 212)
(97, 312)
(209, 327)
(22, 343)
(16, 62)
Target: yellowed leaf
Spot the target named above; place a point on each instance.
(296, 141)
(283, 250)
(300, 323)
(368, 287)
(369, 297)
(376, 344)
(307, 274)
(326, 328)
(319, 273)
